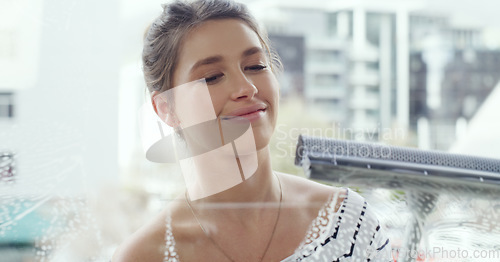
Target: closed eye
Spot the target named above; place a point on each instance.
(256, 67)
(210, 80)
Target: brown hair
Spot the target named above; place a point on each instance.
(164, 36)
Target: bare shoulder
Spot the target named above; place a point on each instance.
(302, 190)
(147, 243)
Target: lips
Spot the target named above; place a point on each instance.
(251, 113)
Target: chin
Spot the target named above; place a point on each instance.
(262, 137)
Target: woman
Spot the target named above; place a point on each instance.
(266, 216)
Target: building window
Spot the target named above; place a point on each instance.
(6, 105)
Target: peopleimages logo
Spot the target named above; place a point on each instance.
(442, 254)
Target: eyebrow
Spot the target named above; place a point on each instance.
(252, 50)
(217, 58)
(207, 61)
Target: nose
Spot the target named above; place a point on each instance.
(243, 88)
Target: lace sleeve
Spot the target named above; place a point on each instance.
(323, 222)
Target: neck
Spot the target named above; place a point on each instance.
(246, 203)
(232, 172)
(257, 184)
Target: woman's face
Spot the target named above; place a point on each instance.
(227, 53)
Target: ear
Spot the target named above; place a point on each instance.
(162, 109)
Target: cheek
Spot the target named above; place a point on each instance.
(276, 91)
(276, 97)
(193, 104)
(217, 100)
(270, 90)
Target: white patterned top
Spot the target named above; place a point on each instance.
(353, 233)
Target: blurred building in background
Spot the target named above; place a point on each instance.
(292, 53)
(378, 65)
(356, 66)
(452, 73)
